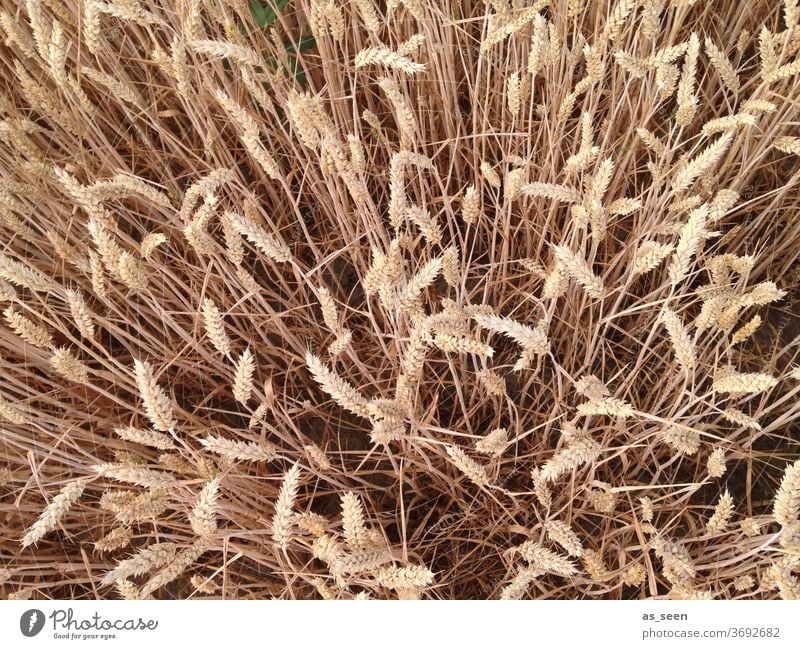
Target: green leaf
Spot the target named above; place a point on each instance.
(264, 14)
(258, 12)
(295, 70)
(305, 43)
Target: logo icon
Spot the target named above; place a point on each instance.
(31, 622)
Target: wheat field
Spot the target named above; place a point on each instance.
(397, 300)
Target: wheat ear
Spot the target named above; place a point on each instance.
(405, 577)
(728, 380)
(787, 501)
(54, 512)
(691, 234)
(117, 538)
(722, 514)
(149, 558)
(272, 246)
(80, 314)
(355, 530)
(135, 474)
(701, 163)
(215, 327)
(203, 517)
(178, 565)
(469, 467)
(238, 450)
(387, 58)
(546, 560)
(156, 402)
(146, 437)
(282, 521)
(578, 268)
(340, 390)
(243, 377)
(682, 342)
(562, 534)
